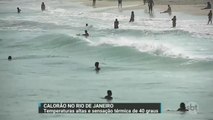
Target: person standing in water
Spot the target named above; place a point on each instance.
(18, 10)
(94, 3)
(116, 23)
(132, 18)
(150, 5)
(43, 6)
(169, 10)
(120, 3)
(210, 17)
(174, 21)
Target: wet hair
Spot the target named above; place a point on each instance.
(109, 93)
(182, 107)
(9, 57)
(96, 64)
(86, 24)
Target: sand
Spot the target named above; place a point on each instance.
(186, 6)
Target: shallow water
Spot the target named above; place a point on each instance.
(144, 61)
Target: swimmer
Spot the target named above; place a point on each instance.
(116, 23)
(174, 21)
(209, 6)
(86, 34)
(132, 18)
(18, 10)
(169, 10)
(182, 107)
(109, 95)
(97, 68)
(43, 6)
(210, 17)
(9, 57)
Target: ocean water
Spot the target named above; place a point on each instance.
(144, 61)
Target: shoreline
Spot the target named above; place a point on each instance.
(192, 7)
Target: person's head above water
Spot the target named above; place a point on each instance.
(86, 24)
(109, 95)
(182, 107)
(9, 57)
(97, 66)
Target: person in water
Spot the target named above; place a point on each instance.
(86, 34)
(109, 95)
(174, 21)
(120, 3)
(43, 6)
(97, 68)
(18, 10)
(9, 57)
(116, 24)
(182, 107)
(169, 10)
(150, 5)
(132, 18)
(210, 17)
(94, 3)
(209, 6)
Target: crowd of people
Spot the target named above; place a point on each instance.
(132, 18)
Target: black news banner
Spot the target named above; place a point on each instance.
(105, 108)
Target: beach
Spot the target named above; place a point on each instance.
(187, 6)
